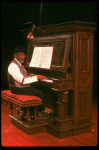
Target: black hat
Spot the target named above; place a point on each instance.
(20, 48)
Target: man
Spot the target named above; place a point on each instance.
(19, 79)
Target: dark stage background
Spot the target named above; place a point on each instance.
(14, 14)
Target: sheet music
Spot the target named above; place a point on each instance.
(36, 57)
(41, 57)
(46, 57)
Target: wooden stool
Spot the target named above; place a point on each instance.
(21, 101)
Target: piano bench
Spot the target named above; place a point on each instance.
(21, 101)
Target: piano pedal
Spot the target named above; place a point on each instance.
(48, 110)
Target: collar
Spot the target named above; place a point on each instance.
(17, 61)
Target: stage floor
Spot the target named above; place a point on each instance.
(13, 137)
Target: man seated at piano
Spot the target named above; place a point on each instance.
(19, 79)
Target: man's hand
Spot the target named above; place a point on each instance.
(41, 77)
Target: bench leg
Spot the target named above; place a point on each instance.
(11, 107)
(28, 114)
(35, 114)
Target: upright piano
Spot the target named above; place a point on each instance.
(66, 109)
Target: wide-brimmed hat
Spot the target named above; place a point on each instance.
(20, 48)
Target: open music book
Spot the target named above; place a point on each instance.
(42, 57)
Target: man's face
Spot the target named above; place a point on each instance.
(20, 57)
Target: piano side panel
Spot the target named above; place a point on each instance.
(84, 90)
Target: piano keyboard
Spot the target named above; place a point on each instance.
(47, 80)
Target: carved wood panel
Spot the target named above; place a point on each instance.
(84, 55)
(61, 51)
(63, 84)
(84, 81)
(83, 104)
(84, 52)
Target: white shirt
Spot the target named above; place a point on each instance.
(14, 70)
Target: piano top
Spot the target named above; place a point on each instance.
(62, 28)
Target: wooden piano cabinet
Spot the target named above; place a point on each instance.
(72, 73)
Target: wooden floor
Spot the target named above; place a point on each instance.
(12, 136)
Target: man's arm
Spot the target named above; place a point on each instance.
(14, 70)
